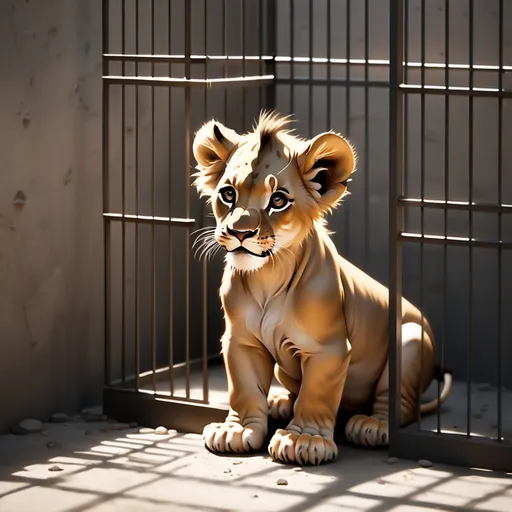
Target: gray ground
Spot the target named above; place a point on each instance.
(483, 417)
(109, 467)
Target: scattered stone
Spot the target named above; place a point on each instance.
(27, 426)
(392, 460)
(133, 424)
(227, 471)
(282, 481)
(51, 444)
(59, 417)
(484, 387)
(381, 482)
(297, 469)
(237, 462)
(161, 431)
(146, 430)
(55, 468)
(255, 496)
(425, 463)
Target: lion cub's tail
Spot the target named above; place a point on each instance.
(444, 375)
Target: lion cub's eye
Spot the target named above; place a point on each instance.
(279, 202)
(227, 195)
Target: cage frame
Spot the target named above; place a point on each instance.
(190, 415)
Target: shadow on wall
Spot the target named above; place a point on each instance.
(50, 207)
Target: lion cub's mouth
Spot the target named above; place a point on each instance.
(243, 250)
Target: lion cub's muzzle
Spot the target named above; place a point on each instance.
(242, 234)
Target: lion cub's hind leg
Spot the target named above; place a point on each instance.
(372, 431)
(280, 403)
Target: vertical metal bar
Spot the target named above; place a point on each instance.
(153, 266)
(136, 280)
(260, 49)
(271, 24)
(347, 125)
(396, 32)
(292, 54)
(106, 188)
(171, 286)
(205, 262)
(470, 150)
(422, 192)
(366, 133)
(406, 103)
(244, 92)
(500, 202)
(329, 89)
(310, 70)
(446, 190)
(123, 202)
(188, 47)
(225, 52)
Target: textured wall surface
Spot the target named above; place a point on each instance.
(51, 320)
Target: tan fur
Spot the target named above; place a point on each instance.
(293, 306)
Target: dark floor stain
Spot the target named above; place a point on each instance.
(19, 198)
(67, 177)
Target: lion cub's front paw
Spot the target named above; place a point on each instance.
(233, 437)
(291, 447)
(367, 431)
(281, 405)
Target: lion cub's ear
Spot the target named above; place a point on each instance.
(326, 164)
(213, 144)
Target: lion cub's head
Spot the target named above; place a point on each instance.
(267, 187)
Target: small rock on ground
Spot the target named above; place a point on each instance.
(51, 444)
(227, 471)
(27, 426)
(59, 417)
(282, 481)
(237, 462)
(425, 463)
(392, 460)
(145, 430)
(161, 430)
(55, 468)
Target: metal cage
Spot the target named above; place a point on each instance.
(425, 128)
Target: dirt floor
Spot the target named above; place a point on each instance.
(104, 466)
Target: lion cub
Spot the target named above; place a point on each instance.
(293, 307)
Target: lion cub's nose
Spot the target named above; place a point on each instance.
(241, 235)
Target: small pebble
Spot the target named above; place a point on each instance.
(55, 468)
(145, 430)
(161, 430)
(237, 462)
(425, 463)
(255, 496)
(133, 424)
(297, 469)
(282, 481)
(59, 417)
(392, 460)
(51, 444)
(381, 482)
(27, 426)
(227, 471)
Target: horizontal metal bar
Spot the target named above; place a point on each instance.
(452, 240)
(146, 219)
(482, 92)
(189, 82)
(152, 411)
(455, 205)
(453, 449)
(331, 81)
(201, 59)
(180, 59)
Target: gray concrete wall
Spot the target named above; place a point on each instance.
(51, 275)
